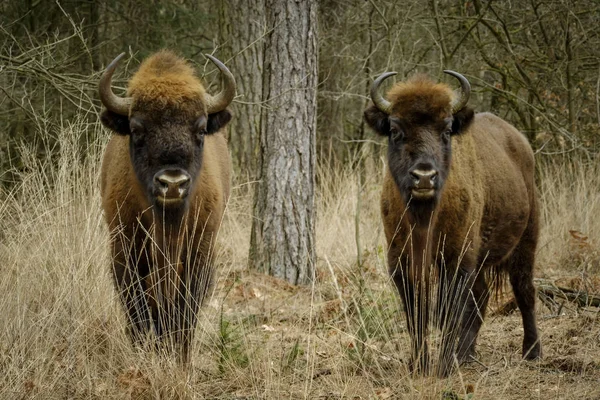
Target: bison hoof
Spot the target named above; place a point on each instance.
(531, 353)
(467, 357)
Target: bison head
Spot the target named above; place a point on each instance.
(166, 115)
(419, 121)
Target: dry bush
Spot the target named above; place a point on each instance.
(62, 329)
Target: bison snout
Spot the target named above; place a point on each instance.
(424, 180)
(172, 184)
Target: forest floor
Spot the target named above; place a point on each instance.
(62, 329)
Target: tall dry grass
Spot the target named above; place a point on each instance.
(570, 234)
(62, 329)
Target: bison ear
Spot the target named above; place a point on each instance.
(117, 123)
(462, 120)
(217, 121)
(377, 120)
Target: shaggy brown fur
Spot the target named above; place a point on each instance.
(166, 80)
(162, 257)
(419, 98)
(484, 216)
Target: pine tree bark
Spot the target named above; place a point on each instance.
(243, 37)
(283, 231)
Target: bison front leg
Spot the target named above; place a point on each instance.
(462, 299)
(131, 290)
(472, 319)
(413, 290)
(194, 287)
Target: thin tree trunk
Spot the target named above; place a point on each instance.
(362, 128)
(243, 36)
(569, 73)
(283, 231)
(94, 34)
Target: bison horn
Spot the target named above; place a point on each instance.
(114, 103)
(223, 99)
(381, 103)
(465, 92)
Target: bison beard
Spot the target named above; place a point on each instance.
(480, 223)
(165, 181)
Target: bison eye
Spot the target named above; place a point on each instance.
(446, 135)
(199, 137)
(200, 125)
(137, 132)
(199, 129)
(137, 138)
(397, 135)
(136, 125)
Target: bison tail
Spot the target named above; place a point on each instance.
(496, 277)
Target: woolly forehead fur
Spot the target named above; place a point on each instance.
(419, 99)
(167, 80)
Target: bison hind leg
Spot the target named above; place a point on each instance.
(521, 280)
(131, 290)
(520, 270)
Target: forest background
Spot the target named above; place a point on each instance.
(535, 63)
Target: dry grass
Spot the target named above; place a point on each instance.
(62, 329)
(571, 205)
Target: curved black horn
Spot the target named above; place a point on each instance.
(465, 91)
(222, 100)
(381, 103)
(114, 103)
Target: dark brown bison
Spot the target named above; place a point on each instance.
(165, 182)
(458, 199)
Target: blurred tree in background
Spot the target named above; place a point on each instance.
(243, 31)
(533, 62)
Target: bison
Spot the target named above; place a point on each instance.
(459, 205)
(165, 181)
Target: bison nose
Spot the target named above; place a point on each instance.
(424, 178)
(172, 184)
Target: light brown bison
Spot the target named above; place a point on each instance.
(165, 182)
(458, 199)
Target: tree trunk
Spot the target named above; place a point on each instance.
(94, 34)
(243, 37)
(569, 78)
(282, 242)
